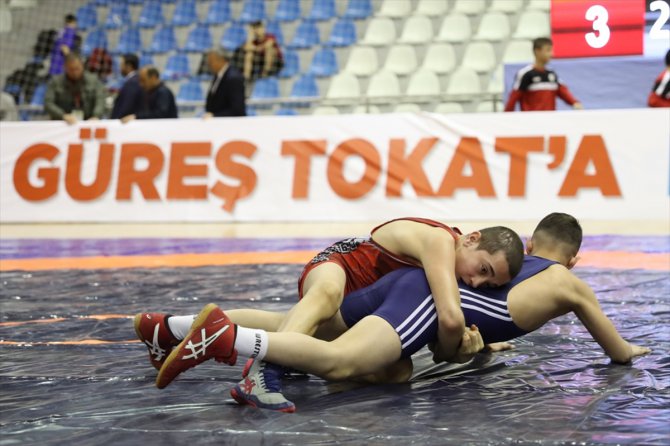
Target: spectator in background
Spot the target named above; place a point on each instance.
(100, 63)
(536, 86)
(130, 99)
(8, 110)
(75, 95)
(660, 94)
(225, 96)
(158, 101)
(260, 56)
(64, 45)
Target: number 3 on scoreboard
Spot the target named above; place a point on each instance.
(599, 16)
(657, 31)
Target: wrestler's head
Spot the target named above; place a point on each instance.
(559, 233)
(490, 257)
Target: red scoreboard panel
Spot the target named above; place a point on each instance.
(588, 28)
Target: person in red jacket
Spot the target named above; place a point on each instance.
(536, 86)
(660, 94)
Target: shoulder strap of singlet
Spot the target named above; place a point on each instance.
(455, 232)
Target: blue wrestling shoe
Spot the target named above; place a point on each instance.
(261, 388)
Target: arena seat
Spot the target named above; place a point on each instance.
(480, 56)
(199, 39)
(129, 41)
(455, 28)
(470, 7)
(163, 40)
(395, 8)
(432, 8)
(440, 58)
(87, 17)
(417, 29)
(494, 27)
(218, 13)
(306, 36)
(177, 67)
(322, 10)
(291, 64)
(401, 60)
(362, 61)
(342, 34)
(190, 90)
(344, 85)
(380, 32)
(288, 10)
(383, 86)
(423, 86)
(358, 9)
(185, 13)
(464, 81)
(532, 24)
(151, 15)
(234, 36)
(324, 63)
(118, 15)
(253, 11)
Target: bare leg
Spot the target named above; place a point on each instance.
(366, 348)
(324, 291)
(396, 373)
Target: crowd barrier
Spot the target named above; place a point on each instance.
(605, 164)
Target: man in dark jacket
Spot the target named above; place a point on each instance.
(225, 96)
(159, 101)
(130, 99)
(75, 95)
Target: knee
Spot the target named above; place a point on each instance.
(331, 292)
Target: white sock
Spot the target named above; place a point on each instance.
(252, 343)
(180, 325)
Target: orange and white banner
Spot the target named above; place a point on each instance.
(611, 164)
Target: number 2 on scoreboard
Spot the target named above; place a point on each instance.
(657, 31)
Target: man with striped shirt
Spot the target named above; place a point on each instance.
(536, 86)
(382, 325)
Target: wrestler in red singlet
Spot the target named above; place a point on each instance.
(363, 260)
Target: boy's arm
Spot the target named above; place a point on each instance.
(585, 305)
(435, 249)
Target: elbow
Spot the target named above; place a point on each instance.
(453, 324)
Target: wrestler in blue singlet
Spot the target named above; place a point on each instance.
(403, 299)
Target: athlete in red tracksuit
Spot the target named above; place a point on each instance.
(536, 87)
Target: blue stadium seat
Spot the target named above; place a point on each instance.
(198, 40)
(87, 17)
(163, 40)
(358, 9)
(288, 10)
(343, 33)
(176, 67)
(135, 2)
(100, 2)
(322, 10)
(274, 27)
(324, 63)
(253, 11)
(291, 64)
(184, 13)
(151, 15)
(118, 15)
(305, 87)
(146, 59)
(168, 1)
(265, 88)
(129, 41)
(190, 90)
(95, 38)
(38, 95)
(286, 112)
(234, 37)
(306, 35)
(218, 12)
(251, 111)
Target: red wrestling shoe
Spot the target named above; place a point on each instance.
(212, 335)
(153, 330)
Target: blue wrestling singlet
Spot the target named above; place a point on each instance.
(403, 299)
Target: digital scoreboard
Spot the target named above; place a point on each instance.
(594, 28)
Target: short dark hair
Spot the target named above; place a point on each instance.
(256, 23)
(153, 71)
(73, 55)
(667, 59)
(132, 60)
(501, 238)
(540, 42)
(70, 18)
(562, 229)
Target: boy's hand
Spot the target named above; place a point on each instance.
(499, 346)
(471, 344)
